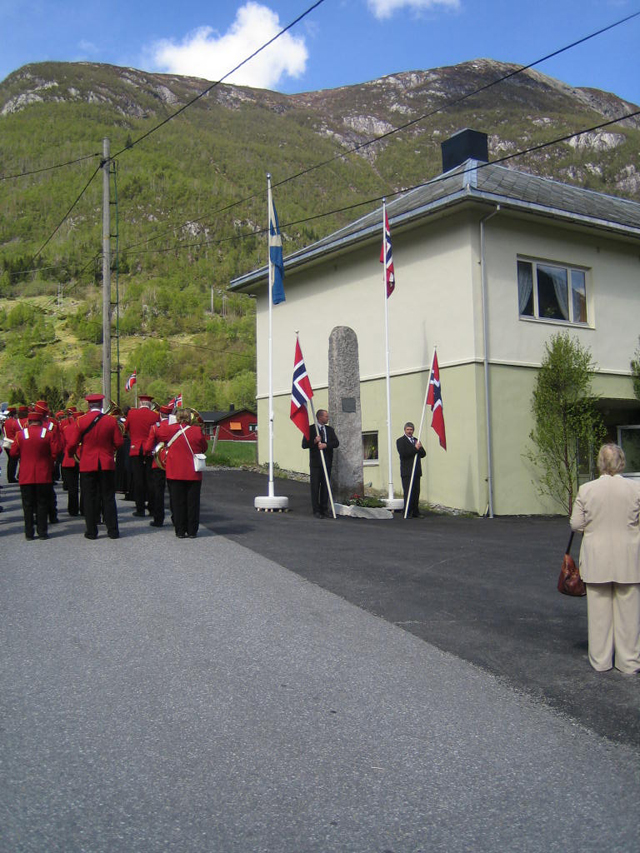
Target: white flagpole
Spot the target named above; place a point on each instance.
(270, 501)
(391, 502)
(270, 297)
(424, 411)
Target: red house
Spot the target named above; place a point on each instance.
(234, 425)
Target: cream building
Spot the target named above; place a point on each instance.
(490, 263)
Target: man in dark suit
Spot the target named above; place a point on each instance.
(408, 449)
(322, 440)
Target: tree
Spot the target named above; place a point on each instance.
(567, 425)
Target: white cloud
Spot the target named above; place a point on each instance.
(385, 8)
(206, 53)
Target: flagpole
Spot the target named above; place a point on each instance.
(270, 502)
(271, 487)
(135, 388)
(391, 502)
(424, 410)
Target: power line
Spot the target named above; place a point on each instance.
(222, 79)
(48, 168)
(67, 214)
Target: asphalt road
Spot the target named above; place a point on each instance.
(287, 685)
(481, 589)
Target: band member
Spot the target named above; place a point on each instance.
(70, 468)
(138, 424)
(158, 473)
(37, 447)
(183, 441)
(11, 427)
(100, 437)
(51, 425)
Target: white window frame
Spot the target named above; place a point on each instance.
(373, 433)
(573, 274)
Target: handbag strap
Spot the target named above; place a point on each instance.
(570, 541)
(184, 432)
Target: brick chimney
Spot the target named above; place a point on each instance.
(464, 145)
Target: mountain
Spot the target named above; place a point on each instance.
(190, 199)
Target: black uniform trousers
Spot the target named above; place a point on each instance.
(185, 506)
(35, 502)
(98, 493)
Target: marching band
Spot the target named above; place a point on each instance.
(166, 447)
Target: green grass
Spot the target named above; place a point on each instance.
(233, 454)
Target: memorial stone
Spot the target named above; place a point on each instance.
(345, 413)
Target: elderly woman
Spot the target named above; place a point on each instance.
(607, 510)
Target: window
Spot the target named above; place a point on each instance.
(629, 441)
(551, 292)
(370, 447)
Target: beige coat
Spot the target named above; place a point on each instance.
(607, 510)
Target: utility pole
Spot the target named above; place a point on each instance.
(106, 271)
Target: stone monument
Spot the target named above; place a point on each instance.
(345, 413)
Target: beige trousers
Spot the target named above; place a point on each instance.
(613, 611)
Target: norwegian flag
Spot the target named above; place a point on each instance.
(131, 381)
(388, 261)
(301, 393)
(176, 401)
(434, 399)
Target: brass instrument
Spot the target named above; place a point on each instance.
(116, 412)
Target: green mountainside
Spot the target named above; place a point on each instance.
(191, 202)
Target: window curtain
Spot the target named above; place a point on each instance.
(525, 285)
(559, 279)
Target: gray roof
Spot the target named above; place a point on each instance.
(486, 183)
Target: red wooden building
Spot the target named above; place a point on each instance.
(233, 425)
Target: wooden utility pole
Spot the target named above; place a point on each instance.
(106, 271)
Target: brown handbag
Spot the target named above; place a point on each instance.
(570, 582)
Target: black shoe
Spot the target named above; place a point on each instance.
(115, 535)
(43, 535)
(55, 520)
(181, 535)
(90, 535)
(318, 515)
(156, 524)
(138, 514)
(29, 538)
(193, 535)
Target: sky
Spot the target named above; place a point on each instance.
(341, 42)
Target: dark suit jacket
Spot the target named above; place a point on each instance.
(407, 452)
(314, 453)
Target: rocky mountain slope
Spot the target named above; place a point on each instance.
(191, 194)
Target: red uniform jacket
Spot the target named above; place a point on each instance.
(68, 460)
(37, 450)
(11, 427)
(138, 424)
(99, 444)
(179, 456)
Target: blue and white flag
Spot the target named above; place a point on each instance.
(275, 254)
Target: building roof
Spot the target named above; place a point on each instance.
(215, 417)
(479, 182)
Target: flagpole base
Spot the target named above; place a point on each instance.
(394, 504)
(272, 503)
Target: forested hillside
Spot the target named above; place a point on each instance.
(188, 206)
